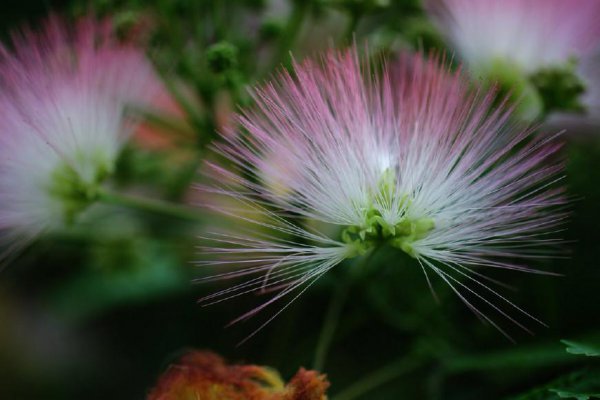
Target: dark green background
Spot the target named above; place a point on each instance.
(102, 317)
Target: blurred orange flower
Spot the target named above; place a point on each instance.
(202, 375)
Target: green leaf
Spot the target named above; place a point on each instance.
(580, 385)
(563, 394)
(581, 349)
(120, 272)
(524, 357)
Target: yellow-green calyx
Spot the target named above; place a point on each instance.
(74, 192)
(376, 230)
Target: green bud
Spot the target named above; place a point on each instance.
(222, 57)
(271, 29)
(560, 88)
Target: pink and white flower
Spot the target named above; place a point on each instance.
(65, 93)
(411, 157)
(530, 34)
(534, 49)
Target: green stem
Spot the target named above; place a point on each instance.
(334, 311)
(150, 205)
(218, 18)
(182, 182)
(332, 318)
(378, 378)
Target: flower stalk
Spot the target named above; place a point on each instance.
(153, 206)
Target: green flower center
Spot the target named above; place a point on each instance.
(376, 230)
(74, 192)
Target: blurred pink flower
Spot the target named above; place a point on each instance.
(531, 34)
(65, 95)
(411, 157)
(536, 49)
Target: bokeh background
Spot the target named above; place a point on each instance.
(101, 312)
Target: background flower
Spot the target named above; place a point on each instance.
(530, 34)
(65, 110)
(205, 375)
(531, 47)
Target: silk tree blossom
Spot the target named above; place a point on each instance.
(526, 44)
(65, 91)
(411, 157)
(532, 34)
